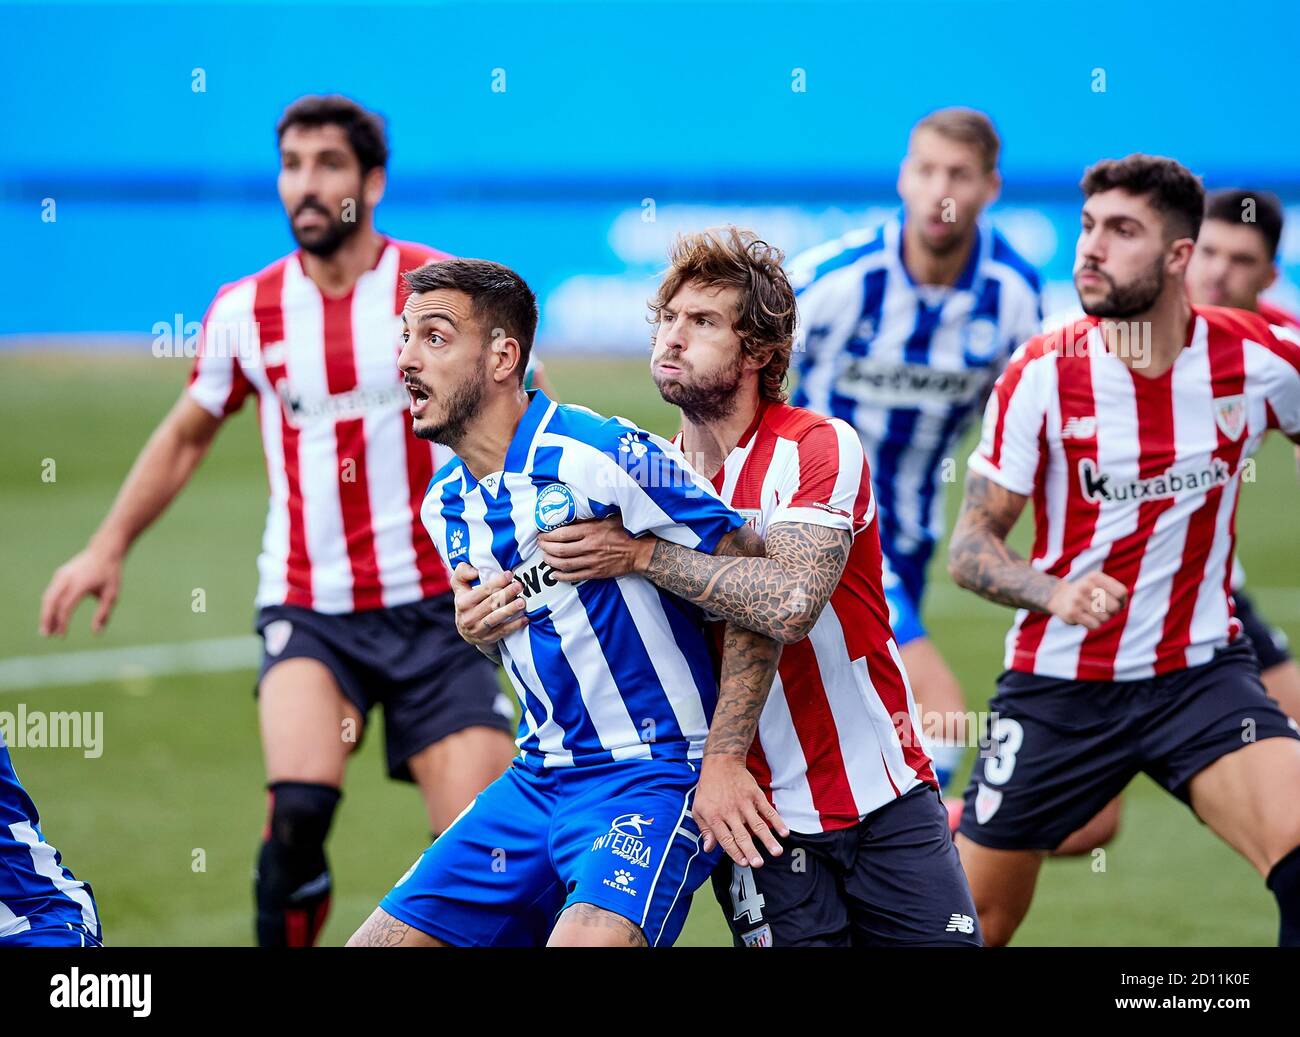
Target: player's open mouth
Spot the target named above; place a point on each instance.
(419, 398)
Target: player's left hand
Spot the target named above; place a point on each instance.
(730, 808)
(596, 549)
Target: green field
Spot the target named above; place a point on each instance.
(181, 767)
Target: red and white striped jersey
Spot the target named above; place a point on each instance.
(1138, 478)
(347, 477)
(1276, 315)
(840, 735)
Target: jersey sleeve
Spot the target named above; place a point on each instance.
(1281, 370)
(1011, 439)
(826, 481)
(649, 482)
(217, 381)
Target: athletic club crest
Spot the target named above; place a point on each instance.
(276, 635)
(987, 801)
(1230, 415)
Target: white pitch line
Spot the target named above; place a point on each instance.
(214, 655)
(223, 654)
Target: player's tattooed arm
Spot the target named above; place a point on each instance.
(979, 560)
(978, 556)
(780, 595)
(729, 808)
(749, 661)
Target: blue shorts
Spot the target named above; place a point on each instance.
(618, 835)
(904, 584)
(1060, 750)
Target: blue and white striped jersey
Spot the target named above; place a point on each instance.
(605, 669)
(36, 890)
(907, 365)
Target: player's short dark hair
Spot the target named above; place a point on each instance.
(1259, 210)
(365, 129)
(1173, 189)
(969, 127)
(729, 257)
(501, 299)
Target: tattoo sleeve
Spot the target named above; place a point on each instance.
(748, 665)
(978, 556)
(780, 595)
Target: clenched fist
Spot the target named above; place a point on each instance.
(1089, 601)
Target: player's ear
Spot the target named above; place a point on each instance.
(506, 356)
(1272, 276)
(373, 185)
(1180, 254)
(994, 188)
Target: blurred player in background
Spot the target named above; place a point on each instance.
(1234, 263)
(1129, 429)
(354, 606)
(831, 738)
(41, 904)
(588, 839)
(903, 330)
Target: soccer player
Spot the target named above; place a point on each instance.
(903, 329)
(1235, 261)
(1129, 430)
(41, 904)
(832, 742)
(588, 839)
(354, 605)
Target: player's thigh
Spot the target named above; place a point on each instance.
(1282, 682)
(934, 686)
(794, 900)
(383, 930)
(1001, 884)
(457, 767)
(1248, 797)
(586, 925)
(308, 725)
(487, 881)
(1101, 829)
(624, 840)
(906, 886)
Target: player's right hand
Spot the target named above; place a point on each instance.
(1089, 601)
(492, 610)
(92, 572)
(729, 808)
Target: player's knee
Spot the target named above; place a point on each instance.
(301, 814)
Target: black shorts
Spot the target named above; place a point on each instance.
(409, 658)
(1060, 750)
(891, 880)
(1268, 641)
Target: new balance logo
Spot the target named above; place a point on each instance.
(1079, 428)
(960, 924)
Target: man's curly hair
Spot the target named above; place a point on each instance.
(729, 257)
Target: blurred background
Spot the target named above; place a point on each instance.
(570, 141)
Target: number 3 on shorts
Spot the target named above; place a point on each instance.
(1005, 738)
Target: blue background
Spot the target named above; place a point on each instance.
(163, 193)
